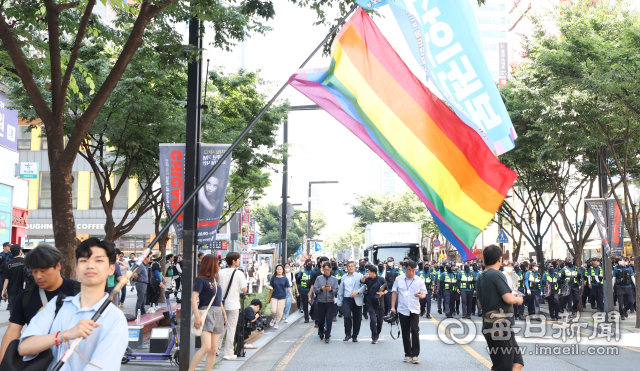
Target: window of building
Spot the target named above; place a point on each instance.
(492, 61)
(122, 198)
(24, 137)
(44, 199)
(493, 34)
(491, 20)
(490, 47)
(44, 144)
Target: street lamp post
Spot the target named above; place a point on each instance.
(309, 213)
(285, 174)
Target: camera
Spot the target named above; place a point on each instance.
(391, 318)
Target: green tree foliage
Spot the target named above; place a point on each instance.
(267, 217)
(395, 207)
(353, 236)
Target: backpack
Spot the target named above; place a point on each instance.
(27, 276)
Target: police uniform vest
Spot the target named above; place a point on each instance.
(534, 281)
(520, 280)
(553, 282)
(450, 281)
(571, 275)
(623, 277)
(426, 278)
(592, 273)
(305, 280)
(466, 281)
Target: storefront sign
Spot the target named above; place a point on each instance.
(8, 125)
(29, 170)
(503, 58)
(20, 217)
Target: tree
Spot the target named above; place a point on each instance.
(270, 223)
(235, 99)
(353, 236)
(39, 40)
(586, 69)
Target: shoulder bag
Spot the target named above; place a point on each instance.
(203, 316)
(229, 286)
(13, 361)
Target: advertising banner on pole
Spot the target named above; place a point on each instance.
(8, 124)
(597, 206)
(444, 38)
(615, 227)
(210, 197)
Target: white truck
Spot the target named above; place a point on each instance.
(393, 240)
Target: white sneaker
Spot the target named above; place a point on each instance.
(250, 346)
(415, 360)
(275, 326)
(228, 358)
(407, 359)
(273, 322)
(286, 320)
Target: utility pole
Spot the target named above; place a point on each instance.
(606, 260)
(285, 197)
(191, 179)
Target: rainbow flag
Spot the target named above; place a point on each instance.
(370, 90)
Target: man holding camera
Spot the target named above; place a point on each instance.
(254, 328)
(407, 290)
(376, 289)
(326, 289)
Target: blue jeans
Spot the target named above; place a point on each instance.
(287, 306)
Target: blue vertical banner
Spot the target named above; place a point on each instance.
(444, 38)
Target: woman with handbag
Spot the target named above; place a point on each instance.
(210, 316)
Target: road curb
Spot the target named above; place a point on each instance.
(265, 346)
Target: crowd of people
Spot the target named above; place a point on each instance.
(324, 289)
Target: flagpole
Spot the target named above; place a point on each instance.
(190, 198)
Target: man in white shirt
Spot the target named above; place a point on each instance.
(351, 298)
(407, 291)
(231, 300)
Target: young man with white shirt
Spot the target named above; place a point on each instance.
(232, 285)
(103, 339)
(407, 290)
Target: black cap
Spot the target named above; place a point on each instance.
(15, 248)
(390, 259)
(534, 264)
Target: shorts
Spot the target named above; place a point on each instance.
(214, 323)
(504, 353)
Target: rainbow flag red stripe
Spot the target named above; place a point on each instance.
(370, 90)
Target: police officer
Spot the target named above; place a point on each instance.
(520, 271)
(532, 283)
(426, 274)
(466, 282)
(304, 278)
(390, 274)
(550, 278)
(441, 271)
(625, 281)
(448, 280)
(595, 280)
(572, 275)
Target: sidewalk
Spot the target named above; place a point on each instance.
(270, 335)
(628, 325)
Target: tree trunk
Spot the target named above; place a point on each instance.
(577, 262)
(64, 230)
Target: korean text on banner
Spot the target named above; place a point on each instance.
(597, 206)
(444, 38)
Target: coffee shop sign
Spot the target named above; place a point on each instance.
(79, 226)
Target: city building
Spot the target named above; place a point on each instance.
(13, 191)
(492, 19)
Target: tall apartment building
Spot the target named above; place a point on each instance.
(492, 19)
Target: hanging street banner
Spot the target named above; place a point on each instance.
(615, 226)
(597, 206)
(210, 197)
(8, 124)
(444, 38)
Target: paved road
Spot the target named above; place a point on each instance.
(300, 347)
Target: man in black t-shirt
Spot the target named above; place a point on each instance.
(251, 315)
(496, 301)
(14, 276)
(44, 262)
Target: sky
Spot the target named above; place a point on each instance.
(321, 149)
